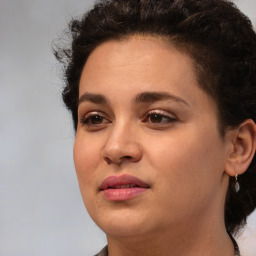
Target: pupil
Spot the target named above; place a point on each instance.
(96, 119)
(155, 118)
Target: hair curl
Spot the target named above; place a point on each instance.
(218, 37)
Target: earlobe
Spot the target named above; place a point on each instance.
(243, 148)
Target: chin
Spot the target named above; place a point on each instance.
(123, 222)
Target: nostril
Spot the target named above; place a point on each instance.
(107, 160)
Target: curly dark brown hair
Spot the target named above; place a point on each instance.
(218, 37)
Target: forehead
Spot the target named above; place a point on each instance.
(137, 60)
(129, 48)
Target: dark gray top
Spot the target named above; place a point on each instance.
(104, 251)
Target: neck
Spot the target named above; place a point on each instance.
(175, 243)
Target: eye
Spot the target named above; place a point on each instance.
(94, 119)
(158, 117)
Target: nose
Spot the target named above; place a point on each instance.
(121, 146)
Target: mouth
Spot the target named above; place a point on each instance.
(122, 188)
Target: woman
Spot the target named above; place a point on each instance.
(162, 94)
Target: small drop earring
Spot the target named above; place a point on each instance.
(237, 186)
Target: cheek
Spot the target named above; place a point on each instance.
(192, 157)
(86, 157)
(188, 172)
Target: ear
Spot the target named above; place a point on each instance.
(242, 148)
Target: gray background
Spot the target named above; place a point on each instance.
(41, 210)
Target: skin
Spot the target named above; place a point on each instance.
(182, 156)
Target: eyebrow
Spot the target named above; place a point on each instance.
(144, 97)
(93, 97)
(151, 97)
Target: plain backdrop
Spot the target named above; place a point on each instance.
(41, 210)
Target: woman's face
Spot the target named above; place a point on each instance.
(148, 153)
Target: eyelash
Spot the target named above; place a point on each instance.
(158, 114)
(88, 121)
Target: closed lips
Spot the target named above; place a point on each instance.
(122, 182)
(124, 186)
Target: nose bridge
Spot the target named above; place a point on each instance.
(121, 132)
(122, 143)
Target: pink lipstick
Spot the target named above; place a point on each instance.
(122, 188)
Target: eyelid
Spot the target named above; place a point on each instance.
(162, 113)
(92, 113)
